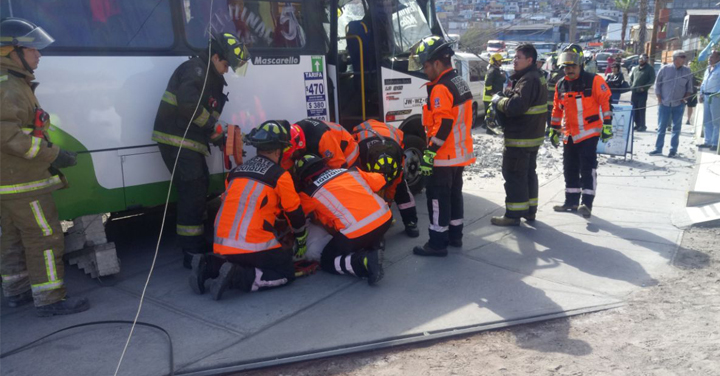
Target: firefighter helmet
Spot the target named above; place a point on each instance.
(268, 136)
(18, 32)
(297, 142)
(572, 55)
(496, 58)
(428, 49)
(229, 47)
(386, 165)
(308, 167)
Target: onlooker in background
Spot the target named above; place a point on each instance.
(591, 65)
(692, 101)
(673, 87)
(710, 97)
(641, 78)
(616, 82)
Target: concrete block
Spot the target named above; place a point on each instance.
(98, 260)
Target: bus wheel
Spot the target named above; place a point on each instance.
(414, 147)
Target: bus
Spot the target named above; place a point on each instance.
(473, 68)
(102, 80)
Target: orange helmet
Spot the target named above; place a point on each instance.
(297, 142)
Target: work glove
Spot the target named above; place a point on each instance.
(427, 162)
(496, 99)
(217, 138)
(555, 137)
(65, 159)
(301, 243)
(607, 132)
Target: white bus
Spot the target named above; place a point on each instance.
(103, 79)
(473, 68)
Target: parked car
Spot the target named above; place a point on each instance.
(601, 59)
(630, 61)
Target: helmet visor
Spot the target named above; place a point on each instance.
(238, 59)
(415, 63)
(570, 58)
(37, 39)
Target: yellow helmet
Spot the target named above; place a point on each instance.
(496, 58)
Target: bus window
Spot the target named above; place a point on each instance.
(103, 24)
(352, 11)
(409, 25)
(476, 70)
(259, 24)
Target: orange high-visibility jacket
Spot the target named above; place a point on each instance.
(259, 190)
(366, 135)
(577, 106)
(327, 140)
(447, 117)
(344, 201)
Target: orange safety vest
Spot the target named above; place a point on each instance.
(450, 103)
(258, 191)
(577, 106)
(347, 143)
(344, 201)
(365, 132)
(326, 140)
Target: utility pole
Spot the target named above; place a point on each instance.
(659, 4)
(642, 32)
(573, 21)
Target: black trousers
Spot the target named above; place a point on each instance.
(639, 102)
(346, 256)
(258, 270)
(580, 169)
(405, 203)
(191, 180)
(521, 181)
(445, 205)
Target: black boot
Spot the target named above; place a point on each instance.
(427, 250)
(20, 299)
(224, 280)
(411, 230)
(565, 208)
(66, 306)
(373, 263)
(199, 274)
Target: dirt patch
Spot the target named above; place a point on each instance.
(672, 328)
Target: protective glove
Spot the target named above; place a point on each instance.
(554, 136)
(65, 159)
(495, 99)
(301, 243)
(428, 160)
(607, 132)
(217, 138)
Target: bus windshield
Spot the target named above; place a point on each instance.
(409, 25)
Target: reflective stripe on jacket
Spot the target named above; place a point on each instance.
(494, 81)
(258, 192)
(577, 106)
(25, 159)
(180, 101)
(345, 201)
(325, 140)
(524, 109)
(448, 117)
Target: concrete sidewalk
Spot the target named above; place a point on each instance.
(558, 266)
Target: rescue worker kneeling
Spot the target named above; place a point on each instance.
(249, 254)
(381, 150)
(343, 201)
(328, 140)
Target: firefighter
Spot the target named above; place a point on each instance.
(250, 253)
(447, 117)
(578, 120)
(195, 103)
(541, 60)
(494, 82)
(555, 75)
(323, 138)
(522, 110)
(381, 150)
(32, 239)
(344, 202)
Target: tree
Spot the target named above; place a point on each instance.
(642, 33)
(475, 39)
(624, 6)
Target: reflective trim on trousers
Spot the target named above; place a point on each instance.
(573, 190)
(435, 214)
(202, 119)
(47, 286)
(178, 141)
(50, 265)
(169, 98)
(190, 230)
(338, 268)
(524, 143)
(533, 202)
(348, 265)
(588, 192)
(14, 277)
(456, 222)
(453, 161)
(258, 283)
(517, 206)
(437, 228)
(31, 186)
(40, 218)
(34, 148)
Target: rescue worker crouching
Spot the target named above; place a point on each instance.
(32, 241)
(179, 111)
(522, 110)
(381, 150)
(344, 202)
(249, 253)
(329, 140)
(447, 117)
(576, 118)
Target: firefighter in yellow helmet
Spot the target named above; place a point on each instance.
(32, 239)
(494, 81)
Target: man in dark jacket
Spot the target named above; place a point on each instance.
(494, 81)
(641, 78)
(555, 75)
(194, 102)
(522, 110)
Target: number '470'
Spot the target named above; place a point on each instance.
(315, 89)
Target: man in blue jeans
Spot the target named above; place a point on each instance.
(710, 97)
(673, 86)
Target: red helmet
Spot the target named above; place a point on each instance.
(297, 142)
